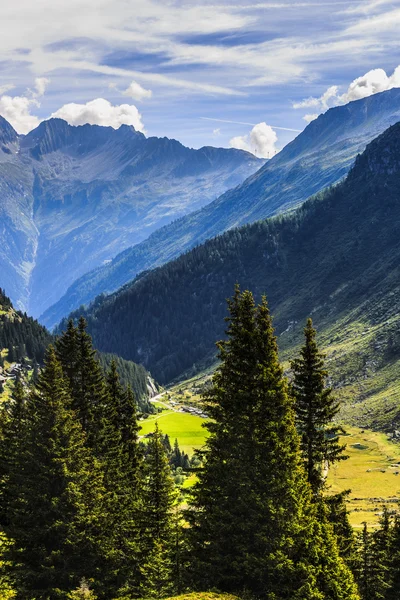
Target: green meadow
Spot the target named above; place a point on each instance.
(372, 472)
(186, 428)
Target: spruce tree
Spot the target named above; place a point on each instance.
(158, 549)
(253, 526)
(55, 520)
(123, 465)
(85, 377)
(339, 519)
(12, 439)
(393, 573)
(315, 407)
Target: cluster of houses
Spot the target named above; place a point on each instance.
(193, 411)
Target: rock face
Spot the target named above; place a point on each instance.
(73, 197)
(320, 156)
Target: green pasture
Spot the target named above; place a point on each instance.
(186, 428)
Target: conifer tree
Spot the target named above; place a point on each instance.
(315, 408)
(55, 521)
(86, 380)
(338, 517)
(12, 439)
(253, 526)
(158, 535)
(393, 574)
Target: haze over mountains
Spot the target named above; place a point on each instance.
(336, 258)
(320, 156)
(73, 197)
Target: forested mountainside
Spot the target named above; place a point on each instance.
(23, 343)
(321, 155)
(20, 335)
(73, 197)
(336, 258)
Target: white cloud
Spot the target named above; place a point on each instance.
(6, 88)
(373, 82)
(16, 110)
(260, 141)
(310, 117)
(322, 102)
(41, 84)
(137, 92)
(101, 112)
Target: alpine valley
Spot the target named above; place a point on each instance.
(71, 198)
(320, 156)
(206, 406)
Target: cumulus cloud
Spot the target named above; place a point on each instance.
(260, 141)
(371, 83)
(137, 92)
(101, 112)
(16, 110)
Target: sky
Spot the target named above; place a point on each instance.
(233, 73)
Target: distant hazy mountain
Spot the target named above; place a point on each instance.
(73, 197)
(335, 258)
(321, 155)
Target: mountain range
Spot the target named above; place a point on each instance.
(320, 156)
(335, 258)
(71, 198)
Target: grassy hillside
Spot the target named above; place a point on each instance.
(336, 258)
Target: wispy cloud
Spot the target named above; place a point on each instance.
(245, 123)
(241, 59)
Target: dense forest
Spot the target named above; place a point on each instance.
(325, 258)
(88, 510)
(21, 335)
(23, 339)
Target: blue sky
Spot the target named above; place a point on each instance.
(170, 67)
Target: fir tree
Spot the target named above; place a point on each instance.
(86, 381)
(315, 408)
(158, 536)
(253, 526)
(339, 519)
(122, 464)
(393, 573)
(55, 520)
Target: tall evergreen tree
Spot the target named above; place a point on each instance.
(315, 407)
(158, 546)
(86, 380)
(339, 519)
(123, 466)
(253, 525)
(55, 521)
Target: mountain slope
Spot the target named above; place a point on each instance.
(336, 258)
(73, 197)
(321, 155)
(24, 340)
